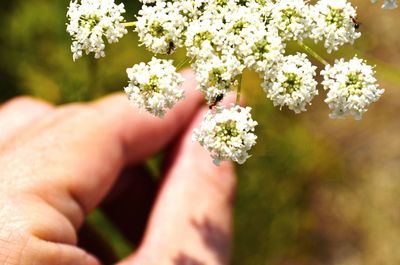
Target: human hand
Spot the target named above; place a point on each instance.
(57, 164)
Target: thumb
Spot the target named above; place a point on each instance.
(191, 220)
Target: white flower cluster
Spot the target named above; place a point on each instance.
(160, 26)
(228, 134)
(293, 85)
(388, 4)
(217, 76)
(351, 87)
(223, 38)
(292, 18)
(334, 22)
(155, 86)
(90, 21)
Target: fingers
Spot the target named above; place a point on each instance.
(18, 247)
(19, 113)
(127, 138)
(44, 252)
(79, 150)
(143, 135)
(191, 220)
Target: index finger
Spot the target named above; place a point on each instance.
(78, 153)
(140, 133)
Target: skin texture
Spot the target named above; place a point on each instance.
(59, 163)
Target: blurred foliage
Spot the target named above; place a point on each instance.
(316, 191)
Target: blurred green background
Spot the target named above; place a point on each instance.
(316, 191)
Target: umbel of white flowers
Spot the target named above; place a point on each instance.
(222, 39)
(227, 133)
(90, 21)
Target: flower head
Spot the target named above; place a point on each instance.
(228, 134)
(161, 26)
(333, 22)
(293, 85)
(265, 53)
(203, 37)
(216, 75)
(292, 19)
(90, 21)
(351, 87)
(155, 86)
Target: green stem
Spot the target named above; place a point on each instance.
(129, 24)
(313, 53)
(239, 89)
(182, 64)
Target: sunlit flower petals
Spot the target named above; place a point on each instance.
(294, 83)
(92, 21)
(351, 87)
(333, 23)
(228, 134)
(155, 86)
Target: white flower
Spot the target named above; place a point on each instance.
(265, 52)
(155, 86)
(333, 21)
(292, 18)
(216, 75)
(351, 87)
(203, 37)
(228, 134)
(388, 4)
(161, 27)
(293, 85)
(92, 20)
(243, 26)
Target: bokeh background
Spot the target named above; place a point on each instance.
(316, 190)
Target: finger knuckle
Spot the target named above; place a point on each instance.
(26, 102)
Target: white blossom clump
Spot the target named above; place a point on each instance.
(265, 53)
(155, 86)
(216, 75)
(90, 21)
(388, 4)
(203, 37)
(292, 18)
(241, 28)
(333, 23)
(351, 87)
(227, 133)
(294, 84)
(160, 27)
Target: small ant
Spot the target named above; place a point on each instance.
(357, 24)
(217, 99)
(171, 47)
